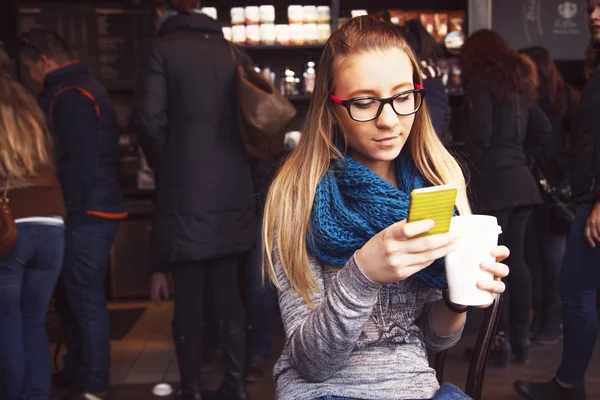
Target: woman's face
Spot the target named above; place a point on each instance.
(380, 74)
(594, 19)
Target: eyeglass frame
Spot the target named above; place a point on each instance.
(382, 102)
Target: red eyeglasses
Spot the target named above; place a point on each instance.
(364, 109)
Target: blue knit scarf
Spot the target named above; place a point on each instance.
(352, 204)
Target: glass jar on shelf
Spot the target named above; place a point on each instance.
(267, 14)
(310, 76)
(323, 15)
(252, 34)
(295, 15)
(267, 34)
(311, 34)
(309, 14)
(252, 15)
(282, 34)
(238, 16)
(238, 34)
(324, 31)
(297, 35)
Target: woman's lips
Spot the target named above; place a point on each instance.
(387, 141)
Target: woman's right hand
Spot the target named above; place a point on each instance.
(394, 254)
(159, 287)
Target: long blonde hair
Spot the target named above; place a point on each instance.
(24, 139)
(290, 200)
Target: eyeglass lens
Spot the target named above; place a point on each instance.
(366, 109)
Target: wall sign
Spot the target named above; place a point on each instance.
(558, 25)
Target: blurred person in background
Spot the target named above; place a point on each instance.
(580, 273)
(184, 113)
(262, 297)
(29, 272)
(83, 124)
(547, 237)
(497, 116)
(429, 51)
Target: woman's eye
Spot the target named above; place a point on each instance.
(402, 99)
(364, 104)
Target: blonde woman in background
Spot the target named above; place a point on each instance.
(29, 272)
(360, 295)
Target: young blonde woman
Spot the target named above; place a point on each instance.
(360, 295)
(30, 270)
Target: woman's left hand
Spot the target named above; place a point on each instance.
(499, 271)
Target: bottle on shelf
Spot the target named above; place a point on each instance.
(310, 75)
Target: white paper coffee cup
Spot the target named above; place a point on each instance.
(477, 237)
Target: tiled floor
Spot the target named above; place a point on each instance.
(146, 357)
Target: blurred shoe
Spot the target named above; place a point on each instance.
(256, 368)
(521, 350)
(549, 334)
(549, 391)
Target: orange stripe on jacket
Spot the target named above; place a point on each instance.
(80, 90)
(104, 215)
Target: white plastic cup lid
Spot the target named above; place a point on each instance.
(475, 223)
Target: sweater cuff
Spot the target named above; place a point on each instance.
(356, 284)
(435, 341)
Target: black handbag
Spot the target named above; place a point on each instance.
(559, 198)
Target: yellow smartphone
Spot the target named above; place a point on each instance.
(435, 203)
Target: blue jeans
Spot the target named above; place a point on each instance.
(262, 305)
(580, 280)
(81, 303)
(27, 278)
(447, 392)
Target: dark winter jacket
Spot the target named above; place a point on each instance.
(585, 168)
(495, 130)
(184, 114)
(83, 123)
(438, 105)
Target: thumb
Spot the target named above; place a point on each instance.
(404, 230)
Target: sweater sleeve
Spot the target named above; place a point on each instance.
(149, 117)
(432, 339)
(321, 339)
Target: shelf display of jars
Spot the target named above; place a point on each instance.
(306, 25)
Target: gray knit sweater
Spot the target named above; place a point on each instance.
(363, 340)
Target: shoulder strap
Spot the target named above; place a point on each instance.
(238, 56)
(80, 90)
